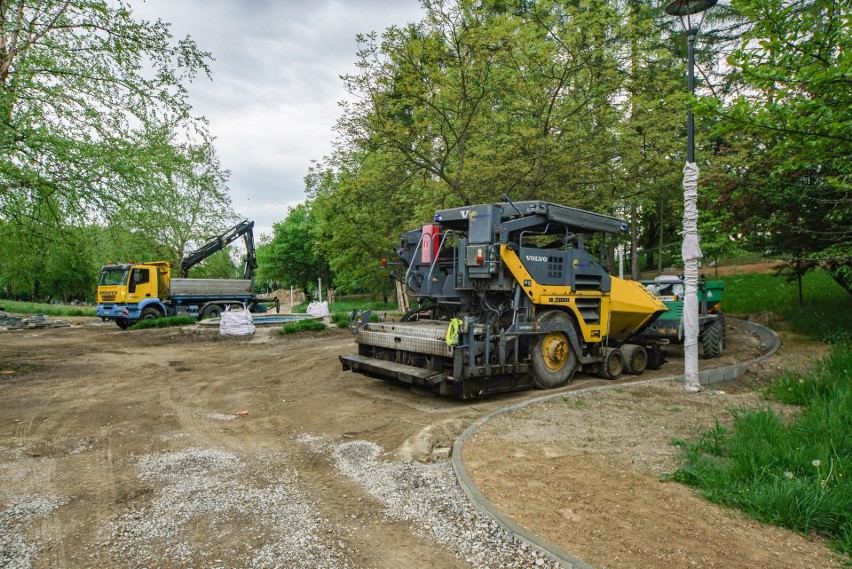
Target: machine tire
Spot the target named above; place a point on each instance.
(212, 311)
(553, 359)
(635, 359)
(656, 357)
(713, 339)
(123, 323)
(150, 313)
(612, 365)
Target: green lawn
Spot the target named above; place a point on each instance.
(30, 308)
(824, 316)
(790, 473)
(794, 474)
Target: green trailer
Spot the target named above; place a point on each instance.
(711, 320)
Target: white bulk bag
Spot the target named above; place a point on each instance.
(318, 309)
(236, 322)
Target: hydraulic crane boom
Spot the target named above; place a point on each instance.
(242, 229)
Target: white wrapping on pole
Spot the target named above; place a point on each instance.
(691, 253)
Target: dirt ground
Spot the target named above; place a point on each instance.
(591, 472)
(85, 406)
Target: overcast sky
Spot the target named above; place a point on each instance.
(276, 83)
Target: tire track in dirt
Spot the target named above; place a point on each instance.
(113, 388)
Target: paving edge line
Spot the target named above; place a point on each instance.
(769, 341)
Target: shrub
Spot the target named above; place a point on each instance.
(302, 326)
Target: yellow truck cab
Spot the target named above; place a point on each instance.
(131, 292)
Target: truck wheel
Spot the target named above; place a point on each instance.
(123, 323)
(553, 358)
(713, 339)
(612, 365)
(635, 359)
(149, 314)
(212, 311)
(656, 357)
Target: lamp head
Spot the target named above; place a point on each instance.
(691, 12)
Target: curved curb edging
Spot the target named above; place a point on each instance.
(770, 342)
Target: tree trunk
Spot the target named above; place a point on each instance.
(634, 257)
(799, 281)
(660, 258)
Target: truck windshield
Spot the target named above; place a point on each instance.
(113, 276)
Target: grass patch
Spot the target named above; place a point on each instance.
(31, 308)
(164, 322)
(574, 402)
(789, 473)
(18, 370)
(302, 326)
(824, 316)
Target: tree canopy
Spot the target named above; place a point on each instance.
(583, 103)
(579, 102)
(538, 100)
(96, 131)
(782, 171)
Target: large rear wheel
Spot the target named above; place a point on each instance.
(713, 339)
(553, 358)
(149, 314)
(212, 311)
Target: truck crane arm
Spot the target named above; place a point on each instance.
(242, 229)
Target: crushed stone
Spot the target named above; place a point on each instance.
(207, 488)
(15, 551)
(429, 497)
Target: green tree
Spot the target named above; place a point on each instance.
(59, 264)
(539, 100)
(96, 129)
(185, 198)
(291, 256)
(354, 232)
(77, 79)
(488, 98)
(788, 189)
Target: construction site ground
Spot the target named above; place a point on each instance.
(86, 411)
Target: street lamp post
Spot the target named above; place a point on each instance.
(691, 13)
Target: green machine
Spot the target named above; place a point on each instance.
(711, 320)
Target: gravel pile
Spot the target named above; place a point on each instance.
(15, 552)
(429, 497)
(203, 492)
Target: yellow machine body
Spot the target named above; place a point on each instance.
(627, 308)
